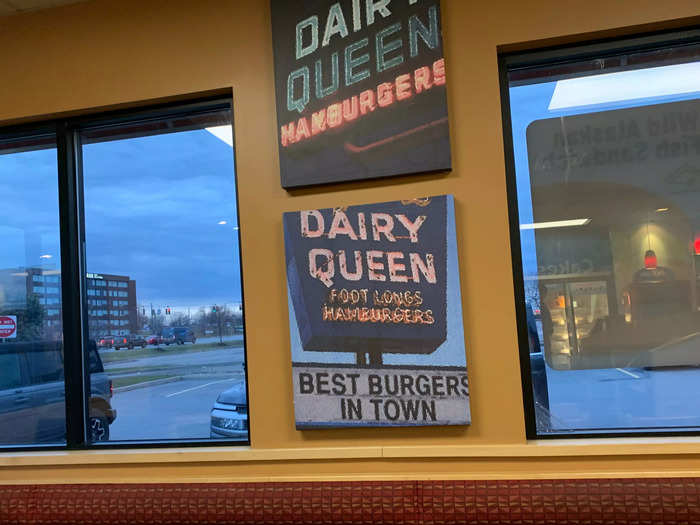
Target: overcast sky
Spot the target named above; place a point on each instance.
(152, 211)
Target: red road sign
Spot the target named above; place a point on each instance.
(8, 326)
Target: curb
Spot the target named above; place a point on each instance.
(147, 384)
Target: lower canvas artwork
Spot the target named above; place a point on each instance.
(375, 315)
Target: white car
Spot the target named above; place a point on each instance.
(229, 417)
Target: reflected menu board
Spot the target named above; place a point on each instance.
(375, 315)
(360, 89)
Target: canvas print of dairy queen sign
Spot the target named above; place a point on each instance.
(360, 89)
(375, 315)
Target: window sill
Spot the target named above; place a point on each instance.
(532, 449)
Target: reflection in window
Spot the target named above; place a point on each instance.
(32, 407)
(607, 163)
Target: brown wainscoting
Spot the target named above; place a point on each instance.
(580, 501)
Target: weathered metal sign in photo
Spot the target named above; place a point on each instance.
(375, 315)
(360, 89)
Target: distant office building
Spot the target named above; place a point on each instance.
(111, 299)
(111, 303)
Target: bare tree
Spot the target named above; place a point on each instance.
(179, 319)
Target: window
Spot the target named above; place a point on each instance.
(166, 244)
(32, 410)
(603, 163)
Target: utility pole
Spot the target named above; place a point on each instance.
(219, 322)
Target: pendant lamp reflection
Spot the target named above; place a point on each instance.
(650, 260)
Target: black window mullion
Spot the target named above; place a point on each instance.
(73, 291)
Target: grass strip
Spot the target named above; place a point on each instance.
(119, 382)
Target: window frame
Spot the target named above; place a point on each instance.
(75, 305)
(549, 56)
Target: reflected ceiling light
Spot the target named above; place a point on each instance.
(224, 133)
(555, 224)
(45, 256)
(235, 227)
(661, 210)
(626, 85)
(221, 222)
(20, 274)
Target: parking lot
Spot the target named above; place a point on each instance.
(624, 398)
(168, 393)
(176, 410)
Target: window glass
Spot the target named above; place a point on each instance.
(607, 166)
(32, 406)
(10, 373)
(167, 241)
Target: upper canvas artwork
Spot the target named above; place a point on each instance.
(360, 89)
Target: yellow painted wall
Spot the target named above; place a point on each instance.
(108, 53)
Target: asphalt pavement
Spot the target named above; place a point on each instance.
(624, 398)
(178, 410)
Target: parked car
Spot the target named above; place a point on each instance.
(129, 341)
(229, 416)
(32, 394)
(167, 337)
(153, 339)
(105, 341)
(184, 335)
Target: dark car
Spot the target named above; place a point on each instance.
(229, 416)
(178, 335)
(129, 341)
(32, 394)
(167, 337)
(105, 341)
(184, 335)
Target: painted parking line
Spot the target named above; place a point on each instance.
(628, 373)
(198, 387)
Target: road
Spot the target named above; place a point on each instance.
(178, 410)
(210, 357)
